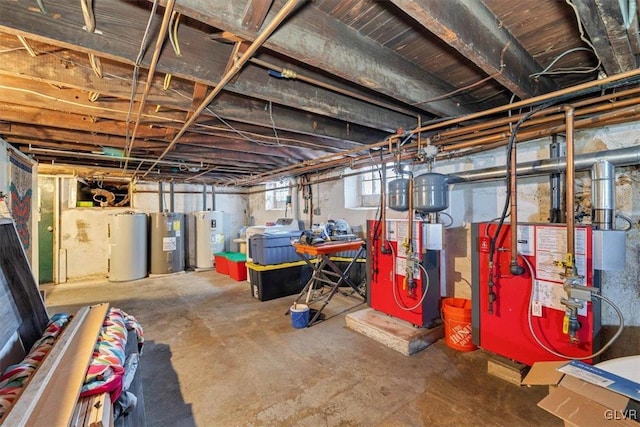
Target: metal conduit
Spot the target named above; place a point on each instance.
(620, 157)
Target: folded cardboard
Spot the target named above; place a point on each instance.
(586, 396)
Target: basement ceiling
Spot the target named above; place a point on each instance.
(182, 90)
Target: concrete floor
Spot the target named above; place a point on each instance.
(215, 356)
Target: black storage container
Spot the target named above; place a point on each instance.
(279, 280)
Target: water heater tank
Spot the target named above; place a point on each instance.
(430, 192)
(127, 246)
(398, 194)
(166, 240)
(208, 236)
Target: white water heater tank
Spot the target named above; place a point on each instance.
(209, 237)
(127, 246)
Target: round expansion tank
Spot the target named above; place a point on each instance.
(166, 242)
(430, 192)
(127, 246)
(398, 194)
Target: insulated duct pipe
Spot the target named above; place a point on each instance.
(620, 157)
(603, 195)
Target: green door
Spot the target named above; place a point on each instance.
(46, 190)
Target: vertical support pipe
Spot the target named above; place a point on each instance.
(171, 197)
(213, 197)
(603, 195)
(515, 269)
(310, 206)
(383, 209)
(160, 197)
(409, 272)
(556, 185)
(204, 197)
(570, 190)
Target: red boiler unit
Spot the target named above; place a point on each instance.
(389, 291)
(526, 314)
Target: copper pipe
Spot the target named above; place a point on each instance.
(152, 70)
(570, 191)
(282, 14)
(493, 142)
(531, 101)
(514, 118)
(364, 160)
(542, 120)
(529, 135)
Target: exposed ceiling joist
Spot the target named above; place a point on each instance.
(329, 45)
(253, 81)
(604, 22)
(471, 29)
(336, 79)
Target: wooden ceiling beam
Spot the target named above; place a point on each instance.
(79, 122)
(604, 23)
(71, 69)
(111, 44)
(255, 13)
(30, 116)
(337, 134)
(327, 44)
(205, 142)
(31, 93)
(81, 138)
(474, 31)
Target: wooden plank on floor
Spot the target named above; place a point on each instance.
(392, 332)
(507, 369)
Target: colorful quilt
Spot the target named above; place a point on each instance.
(106, 369)
(16, 377)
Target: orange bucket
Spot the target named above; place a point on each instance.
(457, 323)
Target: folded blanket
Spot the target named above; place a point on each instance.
(16, 377)
(106, 368)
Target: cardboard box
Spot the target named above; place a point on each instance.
(587, 396)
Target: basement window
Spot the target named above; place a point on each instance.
(276, 195)
(363, 190)
(102, 193)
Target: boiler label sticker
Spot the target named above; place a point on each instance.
(551, 251)
(549, 294)
(169, 244)
(401, 268)
(525, 240)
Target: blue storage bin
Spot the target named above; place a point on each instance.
(274, 247)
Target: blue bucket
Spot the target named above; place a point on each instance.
(299, 316)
